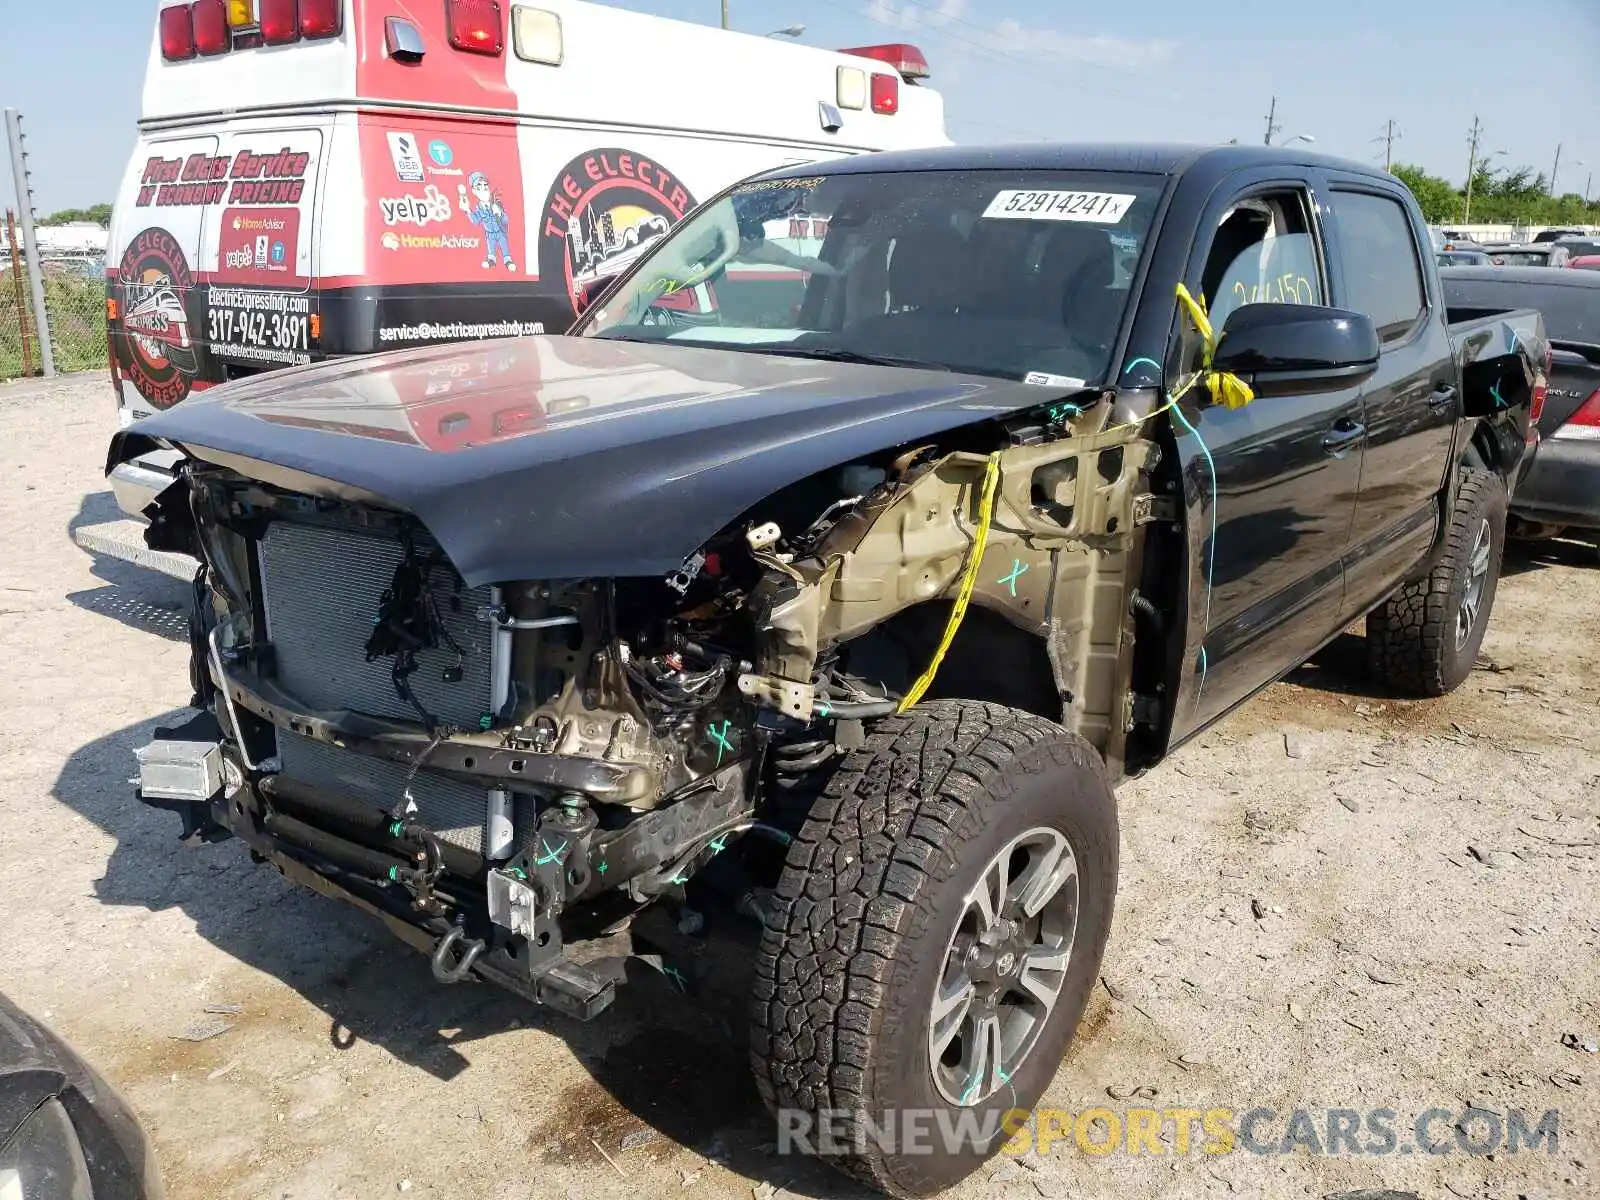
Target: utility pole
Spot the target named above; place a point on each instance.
(1272, 126)
(1389, 136)
(724, 14)
(30, 248)
(1472, 167)
(1556, 166)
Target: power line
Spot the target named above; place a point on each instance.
(1272, 126)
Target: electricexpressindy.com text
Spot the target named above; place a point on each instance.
(426, 331)
(1104, 1131)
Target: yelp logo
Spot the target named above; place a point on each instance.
(434, 206)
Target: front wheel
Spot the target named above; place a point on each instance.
(939, 925)
(1425, 638)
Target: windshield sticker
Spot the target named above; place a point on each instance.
(1045, 379)
(767, 185)
(1023, 204)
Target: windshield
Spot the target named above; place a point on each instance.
(1007, 273)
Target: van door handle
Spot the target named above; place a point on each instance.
(1342, 436)
(1442, 395)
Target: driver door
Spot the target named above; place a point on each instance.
(1271, 487)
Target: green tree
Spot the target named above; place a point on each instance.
(1438, 198)
(99, 214)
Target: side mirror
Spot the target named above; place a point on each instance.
(1285, 349)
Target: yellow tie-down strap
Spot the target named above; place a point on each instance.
(980, 540)
(1226, 388)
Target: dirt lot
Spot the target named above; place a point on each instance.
(1331, 900)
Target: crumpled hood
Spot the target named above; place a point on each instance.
(565, 458)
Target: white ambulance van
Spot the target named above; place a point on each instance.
(322, 178)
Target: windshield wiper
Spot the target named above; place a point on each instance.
(836, 354)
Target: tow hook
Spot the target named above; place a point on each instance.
(449, 967)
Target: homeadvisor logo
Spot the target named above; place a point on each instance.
(417, 241)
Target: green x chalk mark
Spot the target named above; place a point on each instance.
(720, 737)
(672, 974)
(1018, 570)
(680, 879)
(1499, 400)
(550, 856)
(719, 843)
(824, 709)
(603, 868)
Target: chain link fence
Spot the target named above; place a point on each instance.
(75, 301)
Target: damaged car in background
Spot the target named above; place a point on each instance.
(817, 587)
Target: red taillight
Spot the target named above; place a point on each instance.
(1541, 390)
(886, 94)
(177, 33)
(906, 59)
(1583, 425)
(280, 22)
(475, 25)
(211, 33)
(321, 18)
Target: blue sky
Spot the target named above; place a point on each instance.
(1017, 69)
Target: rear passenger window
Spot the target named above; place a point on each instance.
(1381, 271)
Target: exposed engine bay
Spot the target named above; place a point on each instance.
(485, 764)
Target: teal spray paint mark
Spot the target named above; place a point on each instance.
(603, 868)
(1499, 400)
(396, 828)
(824, 709)
(1018, 570)
(719, 843)
(550, 856)
(673, 974)
(1061, 411)
(1139, 361)
(720, 737)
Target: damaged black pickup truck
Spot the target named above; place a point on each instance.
(817, 587)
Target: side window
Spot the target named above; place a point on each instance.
(1379, 255)
(1264, 252)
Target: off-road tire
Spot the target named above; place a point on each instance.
(866, 905)
(1412, 642)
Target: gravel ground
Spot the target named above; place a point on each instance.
(1331, 900)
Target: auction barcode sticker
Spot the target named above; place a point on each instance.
(1102, 208)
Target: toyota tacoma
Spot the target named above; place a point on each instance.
(817, 587)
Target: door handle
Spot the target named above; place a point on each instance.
(1442, 395)
(1342, 436)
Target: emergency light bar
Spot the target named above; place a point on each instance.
(906, 59)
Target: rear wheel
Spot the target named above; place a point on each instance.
(939, 925)
(1425, 638)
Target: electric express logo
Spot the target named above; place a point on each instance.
(605, 210)
(156, 351)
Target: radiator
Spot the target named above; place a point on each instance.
(321, 589)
